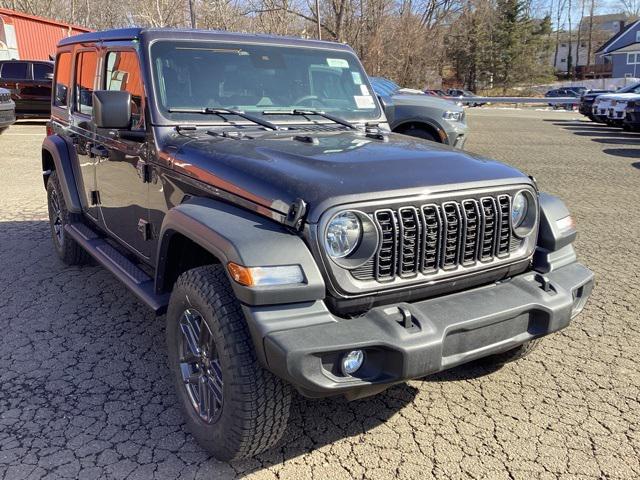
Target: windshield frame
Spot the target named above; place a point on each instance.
(160, 118)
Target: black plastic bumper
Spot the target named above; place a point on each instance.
(304, 343)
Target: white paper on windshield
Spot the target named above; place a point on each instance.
(364, 90)
(364, 101)
(337, 63)
(357, 79)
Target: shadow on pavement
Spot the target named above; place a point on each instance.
(623, 152)
(79, 346)
(636, 165)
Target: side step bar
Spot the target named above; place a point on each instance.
(135, 279)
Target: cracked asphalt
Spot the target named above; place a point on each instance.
(84, 388)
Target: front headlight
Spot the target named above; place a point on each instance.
(453, 116)
(350, 238)
(524, 214)
(343, 234)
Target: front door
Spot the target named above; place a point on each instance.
(121, 174)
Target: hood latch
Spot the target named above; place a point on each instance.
(296, 214)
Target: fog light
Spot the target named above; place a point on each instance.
(352, 361)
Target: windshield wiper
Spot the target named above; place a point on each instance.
(225, 111)
(297, 111)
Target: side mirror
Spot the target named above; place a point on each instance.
(112, 109)
(48, 76)
(388, 107)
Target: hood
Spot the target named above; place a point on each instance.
(616, 96)
(273, 169)
(426, 101)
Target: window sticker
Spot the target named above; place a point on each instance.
(364, 90)
(337, 63)
(357, 79)
(364, 101)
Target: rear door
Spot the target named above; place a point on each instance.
(14, 76)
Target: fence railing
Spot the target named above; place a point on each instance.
(518, 100)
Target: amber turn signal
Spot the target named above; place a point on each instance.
(240, 274)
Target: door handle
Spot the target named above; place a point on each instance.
(99, 151)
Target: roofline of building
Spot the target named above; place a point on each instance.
(613, 40)
(50, 21)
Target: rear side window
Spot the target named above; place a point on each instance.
(123, 73)
(42, 71)
(15, 71)
(62, 80)
(84, 79)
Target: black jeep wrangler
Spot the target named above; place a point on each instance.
(249, 187)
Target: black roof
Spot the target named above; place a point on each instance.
(622, 31)
(188, 34)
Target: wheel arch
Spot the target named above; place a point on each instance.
(420, 123)
(55, 156)
(222, 233)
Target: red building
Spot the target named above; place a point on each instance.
(27, 37)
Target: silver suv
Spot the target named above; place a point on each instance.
(421, 115)
(7, 110)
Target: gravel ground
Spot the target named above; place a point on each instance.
(84, 388)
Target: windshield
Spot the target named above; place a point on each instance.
(257, 79)
(633, 88)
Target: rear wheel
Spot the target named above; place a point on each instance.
(233, 407)
(59, 216)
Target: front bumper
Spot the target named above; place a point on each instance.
(304, 343)
(456, 133)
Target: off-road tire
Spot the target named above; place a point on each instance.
(67, 248)
(513, 354)
(255, 407)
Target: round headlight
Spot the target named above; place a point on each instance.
(519, 209)
(344, 232)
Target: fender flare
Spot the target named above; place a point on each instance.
(56, 146)
(426, 121)
(236, 235)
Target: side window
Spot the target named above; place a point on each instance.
(85, 75)
(123, 73)
(62, 80)
(15, 71)
(42, 71)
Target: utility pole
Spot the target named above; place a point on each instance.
(318, 19)
(192, 13)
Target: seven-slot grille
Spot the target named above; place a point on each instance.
(439, 237)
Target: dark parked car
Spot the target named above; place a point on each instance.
(586, 102)
(421, 115)
(632, 115)
(7, 110)
(249, 187)
(436, 93)
(30, 84)
(561, 92)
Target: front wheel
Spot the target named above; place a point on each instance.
(233, 407)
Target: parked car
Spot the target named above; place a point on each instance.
(249, 187)
(562, 93)
(436, 93)
(602, 103)
(421, 116)
(579, 90)
(585, 107)
(632, 115)
(461, 95)
(7, 110)
(30, 84)
(617, 109)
